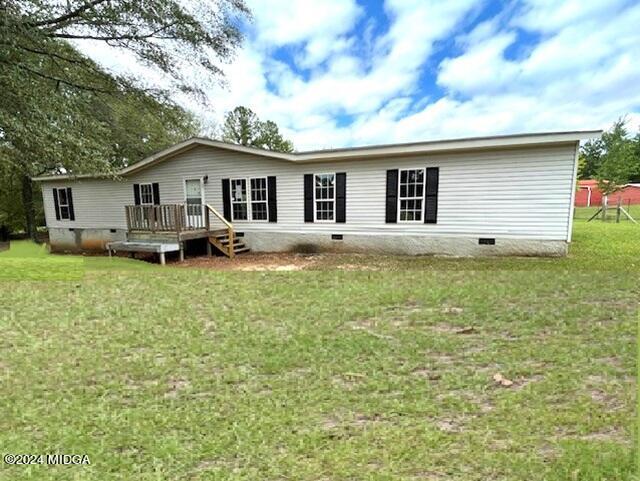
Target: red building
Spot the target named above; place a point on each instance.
(588, 194)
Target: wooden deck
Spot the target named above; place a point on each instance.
(151, 225)
(158, 247)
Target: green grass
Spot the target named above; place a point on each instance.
(328, 374)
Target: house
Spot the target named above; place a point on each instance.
(503, 195)
(590, 195)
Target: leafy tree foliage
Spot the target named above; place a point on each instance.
(64, 129)
(171, 35)
(60, 112)
(271, 139)
(242, 126)
(613, 160)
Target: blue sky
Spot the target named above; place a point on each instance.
(337, 73)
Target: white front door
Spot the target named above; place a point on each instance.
(194, 201)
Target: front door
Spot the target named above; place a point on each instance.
(194, 201)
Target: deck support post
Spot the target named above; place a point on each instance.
(163, 261)
(181, 252)
(209, 252)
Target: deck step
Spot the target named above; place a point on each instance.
(236, 241)
(239, 246)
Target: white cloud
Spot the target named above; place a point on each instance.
(347, 88)
(320, 26)
(482, 69)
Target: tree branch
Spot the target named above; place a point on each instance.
(114, 37)
(58, 80)
(68, 16)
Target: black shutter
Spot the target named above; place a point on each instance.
(392, 197)
(56, 204)
(308, 197)
(226, 199)
(156, 193)
(136, 194)
(72, 215)
(271, 195)
(431, 196)
(341, 197)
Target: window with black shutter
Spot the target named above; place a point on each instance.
(324, 197)
(63, 203)
(146, 194)
(410, 195)
(253, 199)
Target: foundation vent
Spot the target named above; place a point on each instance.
(486, 241)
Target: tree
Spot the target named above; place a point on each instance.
(270, 138)
(170, 35)
(66, 129)
(635, 176)
(590, 159)
(242, 126)
(52, 114)
(615, 159)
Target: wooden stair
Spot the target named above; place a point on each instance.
(224, 239)
(220, 240)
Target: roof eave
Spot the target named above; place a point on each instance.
(443, 146)
(438, 146)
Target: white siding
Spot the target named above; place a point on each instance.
(519, 193)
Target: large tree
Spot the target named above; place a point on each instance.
(170, 35)
(242, 126)
(61, 112)
(75, 131)
(613, 160)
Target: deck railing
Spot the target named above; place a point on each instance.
(166, 217)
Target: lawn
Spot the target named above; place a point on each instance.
(380, 371)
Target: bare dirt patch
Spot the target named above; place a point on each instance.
(613, 434)
(277, 261)
(451, 329)
(253, 262)
(176, 385)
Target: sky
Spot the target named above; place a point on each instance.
(338, 73)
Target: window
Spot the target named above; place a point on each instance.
(411, 194)
(259, 199)
(325, 196)
(239, 199)
(146, 194)
(63, 204)
(253, 206)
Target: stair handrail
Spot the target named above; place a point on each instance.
(230, 248)
(220, 216)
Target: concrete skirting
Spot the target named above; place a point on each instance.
(402, 245)
(70, 240)
(83, 240)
